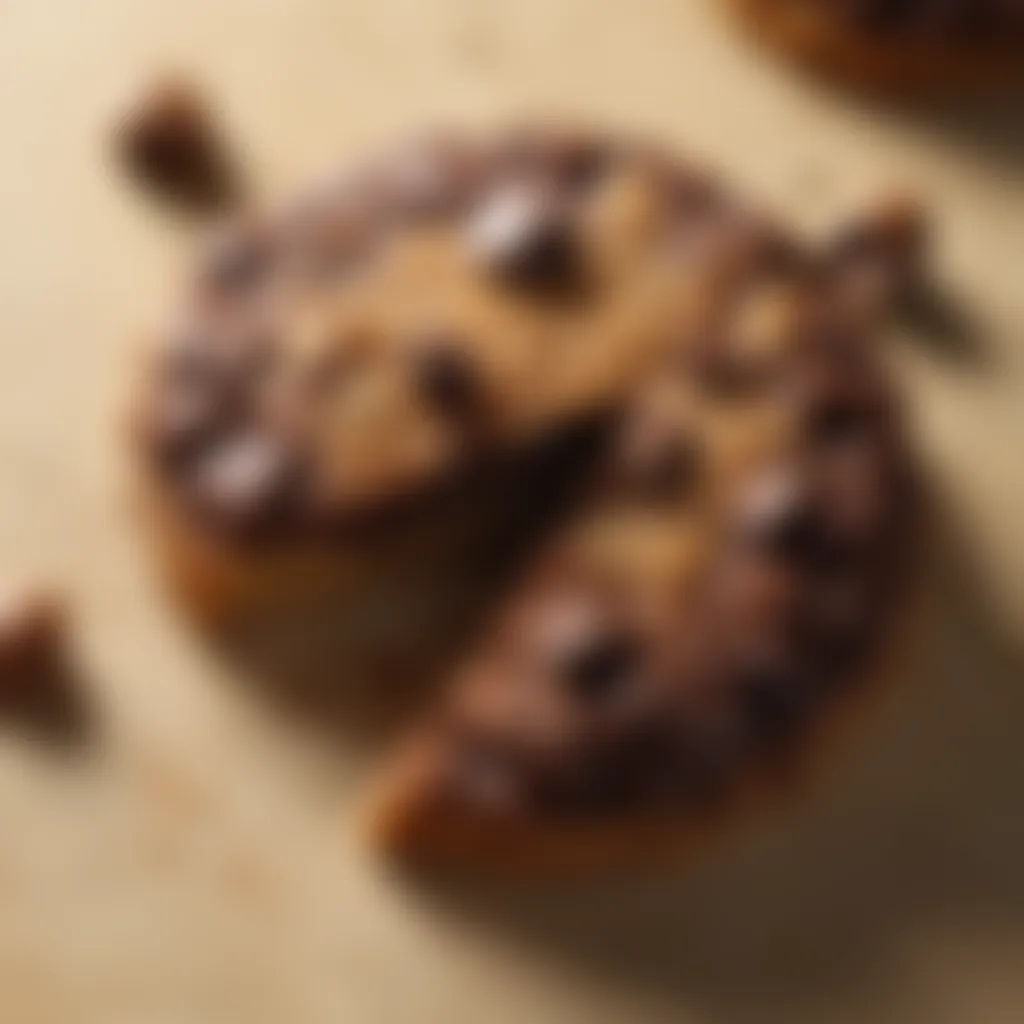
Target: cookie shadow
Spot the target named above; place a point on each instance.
(914, 830)
(991, 127)
(356, 669)
(940, 323)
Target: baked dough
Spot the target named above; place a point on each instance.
(382, 372)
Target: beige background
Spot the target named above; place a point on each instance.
(194, 861)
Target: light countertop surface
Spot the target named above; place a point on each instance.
(196, 860)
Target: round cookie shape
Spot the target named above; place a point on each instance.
(738, 546)
(933, 45)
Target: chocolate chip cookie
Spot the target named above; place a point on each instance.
(943, 45)
(380, 366)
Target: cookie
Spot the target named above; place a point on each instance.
(930, 45)
(383, 369)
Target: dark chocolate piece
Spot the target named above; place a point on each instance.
(445, 375)
(525, 235)
(777, 513)
(877, 260)
(171, 143)
(657, 459)
(182, 418)
(599, 664)
(586, 648)
(31, 636)
(246, 480)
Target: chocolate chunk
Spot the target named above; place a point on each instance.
(206, 381)
(600, 664)
(576, 162)
(775, 698)
(581, 164)
(817, 514)
(445, 374)
(896, 227)
(836, 420)
(524, 235)
(185, 404)
(877, 260)
(31, 636)
(589, 652)
(777, 513)
(245, 481)
(571, 161)
(183, 417)
(788, 513)
(657, 459)
(666, 467)
(171, 143)
(733, 246)
(227, 361)
(839, 401)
